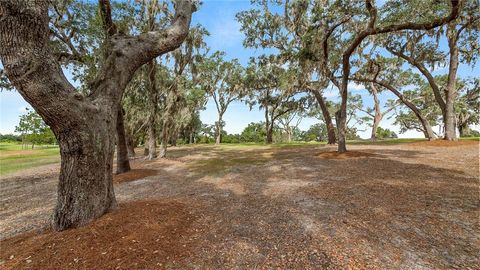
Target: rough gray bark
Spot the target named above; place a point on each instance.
(378, 116)
(123, 163)
(326, 116)
(451, 89)
(131, 144)
(84, 126)
(218, 128)
(164, 140)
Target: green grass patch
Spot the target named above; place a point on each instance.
(470, 139)
(386, 141)
(13, 158)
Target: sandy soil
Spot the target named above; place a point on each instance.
(411, 206)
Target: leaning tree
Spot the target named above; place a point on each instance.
(84, 125)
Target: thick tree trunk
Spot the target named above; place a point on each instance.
(123, 163)
(83, 125)
(326, 117)
(269, 136)
(268, 128)
(85, 189)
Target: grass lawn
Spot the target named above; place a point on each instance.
(13, 158)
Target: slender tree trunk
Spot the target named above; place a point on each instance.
(153, 98)
(174, 138)
(378, 113)
(164, 140)
(376, 123)
(123, 164)
(218, 138)
(326, 117)
(341, 119)
(451, 91)
(152, 143)
(268, 128)
(289, 134)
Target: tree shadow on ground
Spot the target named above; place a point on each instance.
(288, 208)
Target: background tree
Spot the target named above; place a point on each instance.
(421, 49)
(33, 130)
(186, 59)
(223, 81)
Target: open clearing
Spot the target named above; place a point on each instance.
(259, 207)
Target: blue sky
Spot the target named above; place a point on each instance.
(218, 17)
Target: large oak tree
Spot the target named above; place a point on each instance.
(83, 124)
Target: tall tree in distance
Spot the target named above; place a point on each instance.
(83, 124)
(223, 81)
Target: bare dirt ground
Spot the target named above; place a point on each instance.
(410, 206)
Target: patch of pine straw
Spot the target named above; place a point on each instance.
(137, 235)
(133, 175)
(346, 155)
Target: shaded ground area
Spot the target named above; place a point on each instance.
(252, 207)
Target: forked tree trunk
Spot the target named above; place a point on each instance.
(123, 163)
(326, 117)
(83, 126)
